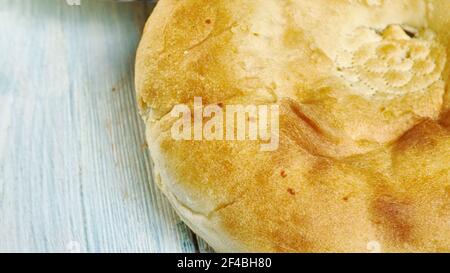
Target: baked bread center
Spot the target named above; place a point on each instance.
(394, 62)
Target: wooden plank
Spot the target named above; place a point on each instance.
(74, 172)
(203, 247)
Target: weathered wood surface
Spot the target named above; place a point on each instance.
(74, 172)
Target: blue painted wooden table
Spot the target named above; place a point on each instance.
(74, 170)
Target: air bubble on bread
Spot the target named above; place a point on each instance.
(393, 62)
(373, 2)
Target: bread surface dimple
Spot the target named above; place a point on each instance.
(362, 86)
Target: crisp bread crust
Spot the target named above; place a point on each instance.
(362, 86)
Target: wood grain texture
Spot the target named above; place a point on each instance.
(74, 170)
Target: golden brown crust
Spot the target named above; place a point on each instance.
(364, 156)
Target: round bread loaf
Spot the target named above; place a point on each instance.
(363, 162)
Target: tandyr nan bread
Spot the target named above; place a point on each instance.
(363, 161)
